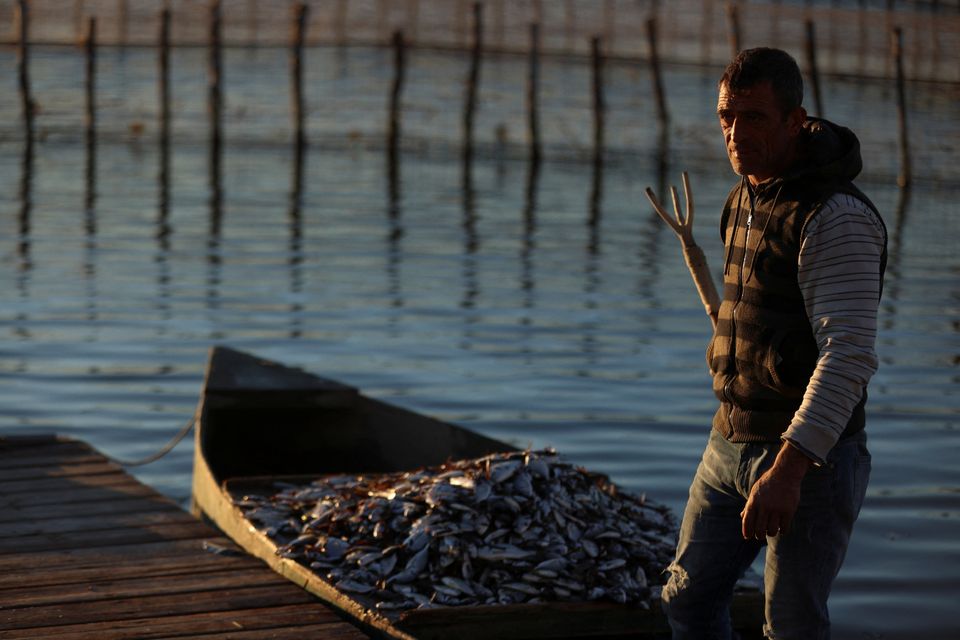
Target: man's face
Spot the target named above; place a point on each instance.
(759, 137)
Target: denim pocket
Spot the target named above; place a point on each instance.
(853, 463)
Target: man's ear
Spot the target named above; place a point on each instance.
(795, 120)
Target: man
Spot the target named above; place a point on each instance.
(786, 464)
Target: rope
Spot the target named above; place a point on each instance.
(167, 448)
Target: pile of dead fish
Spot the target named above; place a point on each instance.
(522, 527)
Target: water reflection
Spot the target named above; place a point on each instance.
(26, 205)
(214, 249)
(470, 239)
(24, 262)
(592, 261)
(395, 232)
(163, 228)
(90, 225)
(527, 278)
(895, 243)
(215, 114)
(295, 247)
(650, 236)
(471, 244)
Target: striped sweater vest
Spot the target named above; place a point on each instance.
(763, 351)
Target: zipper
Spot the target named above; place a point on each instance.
(736, 304)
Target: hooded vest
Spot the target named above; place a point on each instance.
(763, 352)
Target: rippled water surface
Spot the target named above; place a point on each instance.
(545, 308)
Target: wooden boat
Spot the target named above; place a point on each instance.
(259, 420)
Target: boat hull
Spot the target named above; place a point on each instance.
(259, 419)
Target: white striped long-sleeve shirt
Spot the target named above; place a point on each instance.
(839, 277)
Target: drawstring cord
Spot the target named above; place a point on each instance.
(736, 223)
(763, 232)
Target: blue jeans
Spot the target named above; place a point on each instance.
(800, 564)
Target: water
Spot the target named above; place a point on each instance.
(492, 302)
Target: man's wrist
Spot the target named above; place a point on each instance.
(792, 462)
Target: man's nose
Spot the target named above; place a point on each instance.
(737, 130)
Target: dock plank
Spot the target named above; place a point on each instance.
(49, 541)
(222, 600)
(109, 589)
(262, 620)
(147, 567)
(87, 552)
(117, 555)
(120, 504)
(53, 495)
(157, 516)
(80, 467)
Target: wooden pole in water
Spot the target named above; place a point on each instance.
(889, 27)
(164, 63)
(775, 21)
(935, 37)
(533, 90)
(473, 80)
(733, 19)
(706, 32)
(90, 121)
(164, 90)
(811, 50)
(861, 36)
(90, 84)
(123, 12)
(296, 72)
(393, 125)
(599, 104)
(23, 66)
(340, 23)
(215, 92)
(662, 114)
(896, 41)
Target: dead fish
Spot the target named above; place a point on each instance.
(537, 466)
(504, 552)
(523, 485)
(335, 548)
(462, 586)
(354, 587)
(572, 585)
(414, 567)
(615, 563)
(522, 587)
(482, 491)
(446, 591)
(503, 471)
(458, 533)
(590, 547)
(552, 564)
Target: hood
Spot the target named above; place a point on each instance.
(827, 152)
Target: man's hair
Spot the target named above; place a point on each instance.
(764, 64)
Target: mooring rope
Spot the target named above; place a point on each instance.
(167, 448)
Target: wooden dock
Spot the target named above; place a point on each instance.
(87, 551)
